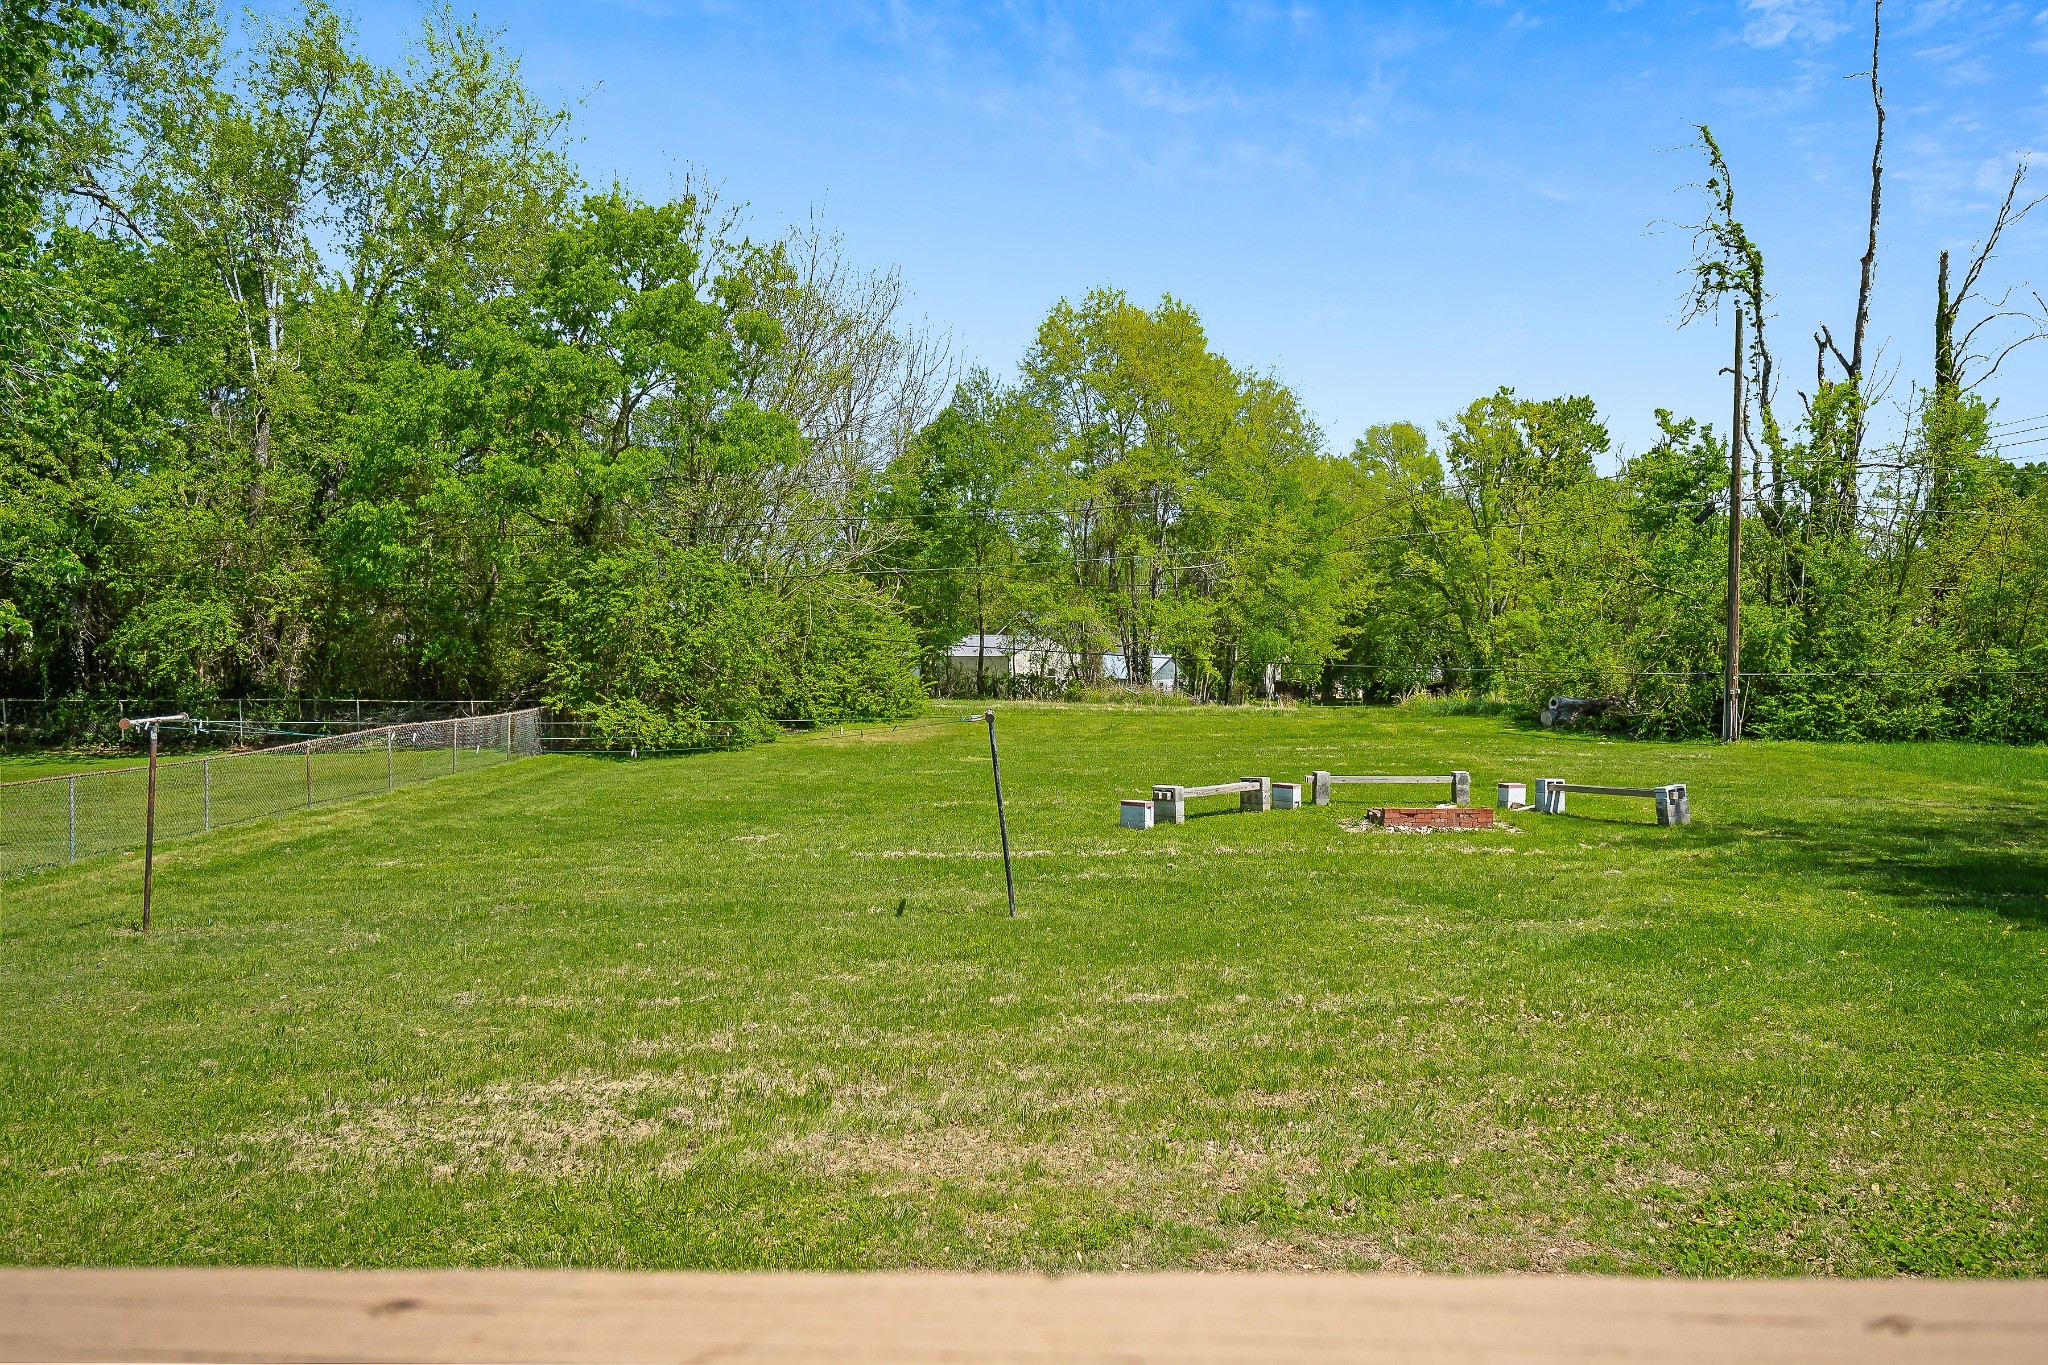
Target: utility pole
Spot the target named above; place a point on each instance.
(1731, 682)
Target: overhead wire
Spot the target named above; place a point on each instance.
(1511, 668)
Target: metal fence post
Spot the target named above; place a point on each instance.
(309, 774)
(390, 781)
(454, 746)
(71, 855)
(995, 764)
(205, 794)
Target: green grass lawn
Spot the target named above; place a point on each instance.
(21, 765)
(764, 1009)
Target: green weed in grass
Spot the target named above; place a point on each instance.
(763, 1009)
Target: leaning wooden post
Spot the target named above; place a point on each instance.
(995, 764)
(149, 834)
(148, 817)
(149, 723)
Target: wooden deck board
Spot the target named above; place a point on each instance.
(1019, 1320)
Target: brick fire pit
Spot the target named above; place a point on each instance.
(1432, 817)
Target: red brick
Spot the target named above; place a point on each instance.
(1432, 817)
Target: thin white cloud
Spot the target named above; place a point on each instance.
(1168, 95)
(1773, 23)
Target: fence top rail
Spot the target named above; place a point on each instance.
(1342, 777)
(295, 747)
(296, 701)
(1585, 789)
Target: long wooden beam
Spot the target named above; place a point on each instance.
(1171, 801)
(1320, 782)
(583, 1315)
(1440, 777)
(1219, 789)
(1611, 791)
(1674, 806)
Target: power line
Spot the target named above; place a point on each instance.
(1512, 669)
(997, 569)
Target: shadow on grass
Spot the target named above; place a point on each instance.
(643, 755)
(1212, 814)
(1939, 866)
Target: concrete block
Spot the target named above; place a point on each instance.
(1550, 795)
(1461, 787)
(1137, 815)
(1170, 805)
(1320, 782)
(1287, 796)
(1259, 800)
(1672, 806)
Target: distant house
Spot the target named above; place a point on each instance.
(1163, 674)
(997, 657)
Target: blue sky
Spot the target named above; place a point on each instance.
(1394, 208)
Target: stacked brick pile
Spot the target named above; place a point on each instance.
(1432, 817)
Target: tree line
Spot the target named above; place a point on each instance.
(325, 377)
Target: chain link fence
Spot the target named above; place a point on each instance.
(50, 821)
(97, 720)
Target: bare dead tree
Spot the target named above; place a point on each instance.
(1876, 197)
(1964, 362)
(856, 376)
(860, 378)
(1727, 262)
(1852, 364)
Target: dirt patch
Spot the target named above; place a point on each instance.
(1367, 826)
(556, 1129)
